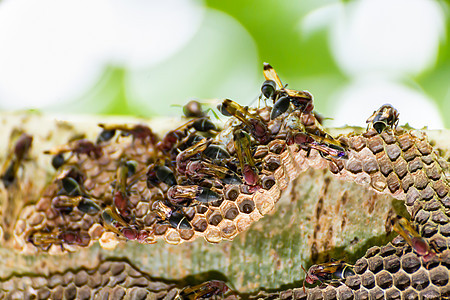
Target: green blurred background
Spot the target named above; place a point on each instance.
(142, 57)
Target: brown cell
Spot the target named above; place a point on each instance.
(410, 154)
(384, 279)
(410, 263)
(391, 263)
(43, 293)
(388, 137)
(345, 293)
(387, 250)
(57, 293)
(200, 225)
(186, 234)
(372, 251)
(356, 143)
(70, 292)
(375, 264)
(230, 211)
(412, 196)
(384, 163)
(354, 165)
(376, 294)
(420, 280)
(407, 182)
(246, 206)
(271, 162)
(420, 180)
(441, 188)
(267, 182)
(361, 265)
(393, 182)
(329, 294)
(422, 216)
(401, 167)
(362, 294)
(439, 217)
(368, 280)
(378, 182)
(432, 205)
(428, 230)
(424, 147)
(354, 282)
(393, 151)
(160, 229)
(375, 144)
(401, 280)
(393, 294)
(81, 278)
(433, 172)
(439, 276)
(445, 230)
(215, 218)
(404, 141)
(427, 193)
(370, 165)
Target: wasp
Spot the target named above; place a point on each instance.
(172, 217)
(199, 169)
(158, 173)
(404, 228)
(191, 153)
(191, 195)
(272, 88)
(120, 194)
(137, 131)
(204, 290)
(385, 116)
(45, 240)
(66, 204)
(330, 272)
(174, 137)
(16, 156)
(242, 144)
(256, 126)
(78, 147)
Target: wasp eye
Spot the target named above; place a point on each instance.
(106, 135)
(58, 161)
(223, 111)
(379, 126)
(280, 107)
(268, 88)
(132, 166)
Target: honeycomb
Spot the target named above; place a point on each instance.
(110, 280)
(200, 180)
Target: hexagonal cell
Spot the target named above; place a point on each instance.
(271, 163)
(420, 280)
(172, 236)
(229, 210)
(160, 229)
(231, 192)
(410, 263)
(268, 182)
(201, 209)
(213, 235)
(228, 229)
(199, 224)
(214, 218)
(246, 205)
(243, 222)
(186, 234)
